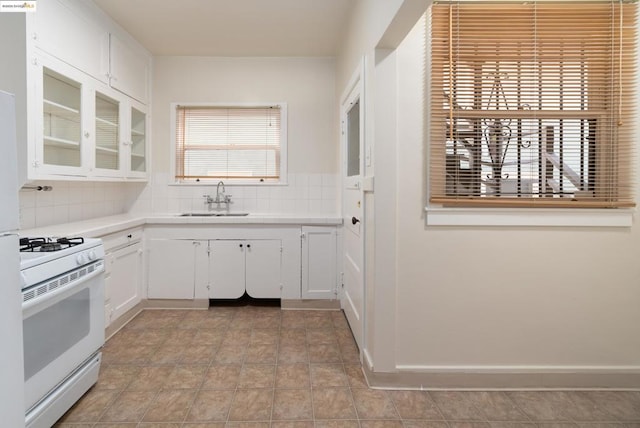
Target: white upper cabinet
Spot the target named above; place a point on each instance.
(129, 70)
(81, 85)
(65, 31)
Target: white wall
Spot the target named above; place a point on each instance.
(464, 300)
(307, 85)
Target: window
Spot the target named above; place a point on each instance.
(532, 104)
(230, 142)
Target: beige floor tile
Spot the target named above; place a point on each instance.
(150, 378)
(170, 406)
(91, 406)
(293, 337)
(116, 377)
(230, 354)
(325, 353)
(542, 406)
(292, 424)
(209, 337)
(333, 403)
(186, 377)
(345, 423)
(128, 354)
(320, 336)
(158, 425)
(292, 376)
(380, 424)
(222, 376)
(355, 376)
(415, 405)
(318, 319)
(349, 352)
(231, 424)
(181, 338)
(456, 405)
(418, 423)
(624, 406)
(374, 404)
(264, 336)
(257, 376)
(293, 354)
(203, 425)
(240, 337)
(130, 406)
(265, 354)
(198, 354)
(292, 319)
(328, 375)
(167, 354)
(210, 406)
(251, 405)
(292, 404)
(496, 406)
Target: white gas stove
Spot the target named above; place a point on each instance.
(62, 282)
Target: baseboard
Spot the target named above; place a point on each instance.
(506, 378)
(310, 304)
(176, 304)
(117, 324)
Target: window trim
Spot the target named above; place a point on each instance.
(283, 180)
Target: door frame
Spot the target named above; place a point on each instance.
(355, 91)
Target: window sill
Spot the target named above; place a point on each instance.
(540, 217)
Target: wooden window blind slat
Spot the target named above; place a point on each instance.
(532, 104)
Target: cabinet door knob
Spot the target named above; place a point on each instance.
(248, 245)
(240, 245)
(129, 236)
(355, 220)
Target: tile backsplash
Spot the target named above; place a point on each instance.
(74, 201)
(69, 201)
(303, 194)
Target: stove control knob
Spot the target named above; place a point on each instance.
(92, 255)
(81, 259)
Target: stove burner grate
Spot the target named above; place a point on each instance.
(48, 244)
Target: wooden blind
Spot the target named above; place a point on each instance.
(532, 103)
(228, 142)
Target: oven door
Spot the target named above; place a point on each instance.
(63, 321)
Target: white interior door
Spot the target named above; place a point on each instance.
(352, 208)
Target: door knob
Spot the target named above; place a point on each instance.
(354, 220)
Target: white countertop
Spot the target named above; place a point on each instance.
(105, 225)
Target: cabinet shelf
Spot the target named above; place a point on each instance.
(106, 150)
(135, 133)
(60, 142)
(136, 155)
(62, 111)
(106, 124)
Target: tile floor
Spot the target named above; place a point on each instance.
(256, 367)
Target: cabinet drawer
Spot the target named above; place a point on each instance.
(120, 239)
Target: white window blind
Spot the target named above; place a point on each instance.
(228, 142)
(532, 103)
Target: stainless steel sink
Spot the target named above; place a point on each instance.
(214, 214)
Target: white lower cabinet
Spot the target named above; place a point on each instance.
(123, 273)
(253, 266)
(319, 267)
(175, 267)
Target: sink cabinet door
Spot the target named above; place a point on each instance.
(172, 267)
(264, 268)
(227, 269)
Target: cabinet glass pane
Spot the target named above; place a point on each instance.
(138, 141)
(107, 132)
(353, 140)
(61, 124)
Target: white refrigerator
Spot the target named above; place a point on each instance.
(11, 359)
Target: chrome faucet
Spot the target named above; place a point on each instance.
(221, 197)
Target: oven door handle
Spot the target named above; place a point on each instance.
(58, 294)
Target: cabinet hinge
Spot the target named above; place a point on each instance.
(36, 164)
(281, 287)
(281, 249)
(342, 279)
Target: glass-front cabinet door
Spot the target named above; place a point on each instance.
(138, 164)
(107, 133)
(62, 120)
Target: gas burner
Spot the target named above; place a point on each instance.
(48, 244)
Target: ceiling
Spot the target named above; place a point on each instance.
(234, 27)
